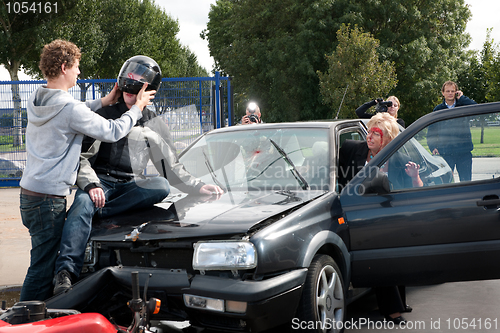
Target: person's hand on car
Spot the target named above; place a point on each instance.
(209, 189)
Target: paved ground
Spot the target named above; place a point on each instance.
(449, 307)
(15, 242)
(14, 239)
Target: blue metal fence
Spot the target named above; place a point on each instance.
(190, 106)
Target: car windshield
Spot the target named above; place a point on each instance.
(262, 159)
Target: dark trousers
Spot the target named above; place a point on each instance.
(391, 299)
(120, 197)
(44, 217)
(463, 163)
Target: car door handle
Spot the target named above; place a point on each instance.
(488, 202)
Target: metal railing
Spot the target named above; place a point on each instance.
(190, 106)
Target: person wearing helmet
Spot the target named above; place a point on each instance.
(56, 126)
(139, 70)
(111, 181)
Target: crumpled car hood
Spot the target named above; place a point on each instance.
(189, 216)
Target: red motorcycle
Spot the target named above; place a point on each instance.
(34, 317)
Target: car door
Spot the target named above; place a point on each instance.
(446, 230)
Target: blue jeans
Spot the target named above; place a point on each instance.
(44, 217)
(120, 197)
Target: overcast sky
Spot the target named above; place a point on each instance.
(485, 15)
(193, 17)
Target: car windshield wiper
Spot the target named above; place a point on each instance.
(293, 170)
(290, 197)
(212, 173)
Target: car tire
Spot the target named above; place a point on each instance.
(322, 306)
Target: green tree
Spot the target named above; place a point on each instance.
(490, 57)
(480, 77)
(111, 31)
(107, 31)
(471, 79)
(354, 69)
(424, 39)
(494, 80)
(108, 36)
(273, 49)
(23, 28)
(187, 64)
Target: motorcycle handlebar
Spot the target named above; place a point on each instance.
(135, 285)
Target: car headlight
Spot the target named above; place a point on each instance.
(224, 256)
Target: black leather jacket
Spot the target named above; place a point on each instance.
(126, 159)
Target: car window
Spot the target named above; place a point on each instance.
(251, 159)
(453, 151)
(350, 133)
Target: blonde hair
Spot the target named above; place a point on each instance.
(395, 99)
(386, 123)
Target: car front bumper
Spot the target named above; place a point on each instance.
(268, 303)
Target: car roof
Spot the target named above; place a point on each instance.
(298, 124)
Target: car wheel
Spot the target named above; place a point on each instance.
(322, 306)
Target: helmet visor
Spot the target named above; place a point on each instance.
(129, 85)
(133, 75)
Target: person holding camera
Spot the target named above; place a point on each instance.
(391, 106)
(252, 115)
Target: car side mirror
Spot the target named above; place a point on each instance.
(376, 182)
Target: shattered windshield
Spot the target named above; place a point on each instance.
(262, 159)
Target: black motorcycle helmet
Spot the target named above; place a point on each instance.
(137, 70)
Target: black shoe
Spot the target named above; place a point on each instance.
(408, 308)
(398, 320)
(62, 282)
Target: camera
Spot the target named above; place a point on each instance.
(253, 118)
(382, 106)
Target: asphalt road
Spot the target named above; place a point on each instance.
(15, 242)
(450, 307)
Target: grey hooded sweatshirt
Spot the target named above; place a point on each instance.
(56, 126)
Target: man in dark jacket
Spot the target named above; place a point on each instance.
(452, 139)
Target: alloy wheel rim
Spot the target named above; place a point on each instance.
(329, 299)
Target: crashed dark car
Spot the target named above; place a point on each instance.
(285, 245)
